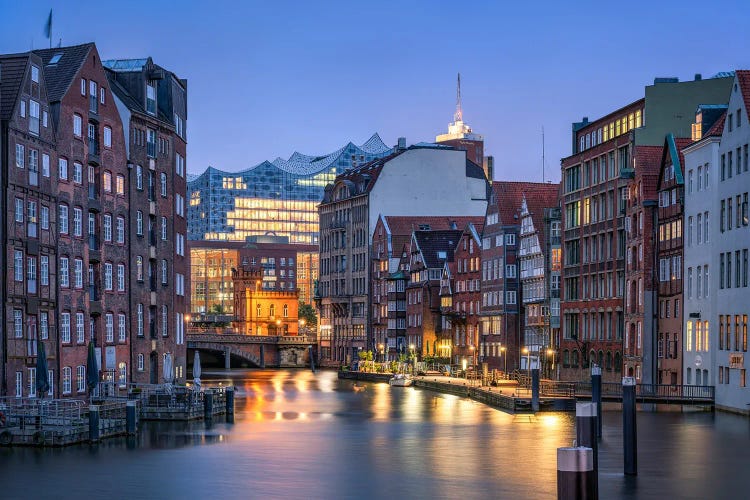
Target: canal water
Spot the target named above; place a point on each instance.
(302, 435)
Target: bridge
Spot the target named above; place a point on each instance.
(292, 351)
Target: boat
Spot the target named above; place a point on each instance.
(401, 380)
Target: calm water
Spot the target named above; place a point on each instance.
(303, 435)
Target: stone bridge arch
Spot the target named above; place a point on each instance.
(244, 353)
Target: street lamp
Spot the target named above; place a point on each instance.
(414, 359)
(502, 353)
(528, 360)
(382, 355)
(473, 350)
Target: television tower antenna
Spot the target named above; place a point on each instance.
(543, 153)
(458, 116)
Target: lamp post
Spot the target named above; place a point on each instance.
(502, 353)
(528, 361)
(473, 350)
(414, 359)
(382, 352)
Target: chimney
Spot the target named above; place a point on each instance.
(401, 143)
(698, 77)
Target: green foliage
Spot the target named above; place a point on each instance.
(217, 309)
(308, 313)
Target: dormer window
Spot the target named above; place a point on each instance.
(55, 59)
(34, 74)
(151, 98)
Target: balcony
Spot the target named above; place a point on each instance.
(95, 252)
(94, 151)
(95, 204)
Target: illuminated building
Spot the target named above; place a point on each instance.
(212, 296)
(259, 310)
(277, 198)
(462, 137)
(307, 274)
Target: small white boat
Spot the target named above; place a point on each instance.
(401, 380)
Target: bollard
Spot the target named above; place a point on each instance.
(629, 441)
(208, 405)
(576, 479)
(130, 417)
(596, 396)
(94, 423)
(586, 435)
(535, 390)
(230, 400)
(312, 359)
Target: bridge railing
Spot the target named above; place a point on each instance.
(228, 338)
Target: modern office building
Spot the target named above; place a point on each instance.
(277, 198)
(152, 103)
(605, 169)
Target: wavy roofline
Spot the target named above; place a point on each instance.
(303, 165)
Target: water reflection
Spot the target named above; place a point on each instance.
(302, 435)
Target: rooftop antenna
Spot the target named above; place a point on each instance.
(543, 153)
(458, 116)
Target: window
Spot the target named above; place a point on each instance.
(23, 109)
(77, 125)
(122, 378)
(78, 272)
(164, 271)
(81, 378)
(120, 277)
(45, 165)
(31, 219)
(34, 114)
(19, 210)
(164, 321)
(44, 270)
(120, 184)
(77, 173)
(139, 177)
(18, 323)
(20, 155)
(107, 137)
(77, 221)
(120, 230)
(139, 319)
(151, 143)
(140, 362)
(34, 74)
(33, 167)
(180, 205)
(163, 178)
(285, 311)
(151, 98)
(64, 272)
(180, 244)
(164, 229)
(107, 181)
(66, 376)
(80, 328)
(510, 239)
(44, 326)
(179, 284)
(101, 95)
(139, 268)
(109, 327)
(65, 327)
(179, 165)
(139, 223)
(108, 276)
(107, 227)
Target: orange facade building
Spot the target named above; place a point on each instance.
(261, 311)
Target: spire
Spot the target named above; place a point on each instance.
(458, 116)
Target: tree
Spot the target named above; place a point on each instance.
(307, 312)
(217, 309)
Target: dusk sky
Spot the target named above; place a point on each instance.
(268, 78)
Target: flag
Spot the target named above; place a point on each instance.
(48, 28)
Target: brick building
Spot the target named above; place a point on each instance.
(259, 311)
(153, 107)
(669, 247)
(29, 231)
(597, 180)
(91, 175)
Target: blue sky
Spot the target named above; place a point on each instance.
(268, 78)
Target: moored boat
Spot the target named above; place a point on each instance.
(401, 380)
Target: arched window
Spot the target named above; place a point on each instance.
(574, 361)
(618, 361)
(257, 310)
(609, 361)
(566, 358)
(601, 359)
(140, 362)
(591, 358)
(272, 310)
(286, 311)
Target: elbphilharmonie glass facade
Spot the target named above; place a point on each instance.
(278, 198)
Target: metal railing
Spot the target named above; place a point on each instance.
(20, 412)
(613, 390)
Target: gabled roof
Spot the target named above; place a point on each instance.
(508, 196)
(400, 227)
(647, 167)
(59, 76)
(718, 127)
(12, 71)
(538, 198)
(436, 246)
(672, 155)
(743, 79)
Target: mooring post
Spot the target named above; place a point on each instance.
(576, 478)
(94, 423)
(596, 396)
(629, 438)
(227, 358)
(535, 390)
(208, 405)
(130, 416)
(230, 400)
(586, 434)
